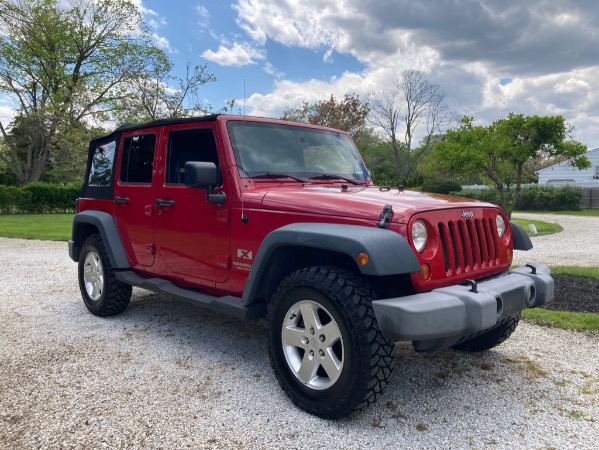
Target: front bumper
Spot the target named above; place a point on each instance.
(438, 319)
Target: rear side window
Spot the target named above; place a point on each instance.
(138, 159)
(100, 173)
(189, 145)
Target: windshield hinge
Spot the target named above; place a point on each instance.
(385, 216)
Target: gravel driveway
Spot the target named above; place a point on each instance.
(168, 375)
(577, 245)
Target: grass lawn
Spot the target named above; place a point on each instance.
(50, 227)
(542, 227)
(579, 321)
(584, 212)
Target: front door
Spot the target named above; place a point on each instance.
(192, 235)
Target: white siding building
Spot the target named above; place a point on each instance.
(562, 173)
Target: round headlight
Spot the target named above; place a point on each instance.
(419, 235)
(500, 225)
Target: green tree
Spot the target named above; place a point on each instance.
(348, 115)
(502, 150)
(66, 63)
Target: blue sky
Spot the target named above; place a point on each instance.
(491, 57)
(210, 32)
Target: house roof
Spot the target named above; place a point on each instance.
(559, 164)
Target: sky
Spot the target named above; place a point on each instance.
(491, 57)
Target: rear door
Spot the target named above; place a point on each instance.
(192, 235)
(134, 194)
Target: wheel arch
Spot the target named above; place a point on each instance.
(521, 239)
(91, 222)
(300, 245)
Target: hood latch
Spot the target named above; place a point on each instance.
(386, 216)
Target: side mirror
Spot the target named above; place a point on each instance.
(204, 175)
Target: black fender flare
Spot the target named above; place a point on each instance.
(107, 228)
(389, 253)
(520, 238)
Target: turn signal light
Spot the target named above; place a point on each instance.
(425, 272)
(362, 258)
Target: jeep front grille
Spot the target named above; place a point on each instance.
(468, 244)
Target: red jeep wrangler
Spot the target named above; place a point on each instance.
(263, 218)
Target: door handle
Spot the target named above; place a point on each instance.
(121, 200)
(160, 202)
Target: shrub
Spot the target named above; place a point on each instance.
(550, 198)
(38, 198)
(485, 195)
(440, 186)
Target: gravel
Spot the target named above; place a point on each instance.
(168, 375)
(577, 245)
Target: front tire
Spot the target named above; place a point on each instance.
(102, 293)
(491, 338)
(325, 345)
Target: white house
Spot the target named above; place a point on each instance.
(563, 173)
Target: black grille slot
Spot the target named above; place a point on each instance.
(443, 245)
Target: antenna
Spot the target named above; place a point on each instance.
(244, 96)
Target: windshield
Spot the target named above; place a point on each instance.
(289, 150)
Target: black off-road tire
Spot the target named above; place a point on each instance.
(102, 293)
(491, 338)
(337, 305)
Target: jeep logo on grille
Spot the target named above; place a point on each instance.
(467, 214)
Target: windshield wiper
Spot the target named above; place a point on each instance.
(332, 176)
(281, 175)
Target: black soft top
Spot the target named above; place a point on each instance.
(158, 123)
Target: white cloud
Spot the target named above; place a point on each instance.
(163, 43)
(237, 55)
(271, 70)
(202, 11)
(548, 49)
(6, 114)
(155, 21)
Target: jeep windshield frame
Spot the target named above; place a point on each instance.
(297, 151)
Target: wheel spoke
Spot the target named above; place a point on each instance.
(89, 275)
(310, 316)
(93, 263)
(96, 290)
(331, 364)
(295, 336)
(308, 368)
(331, 332)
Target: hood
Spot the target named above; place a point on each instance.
(360, 202)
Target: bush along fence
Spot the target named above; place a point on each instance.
(38, 198)
(537, 198)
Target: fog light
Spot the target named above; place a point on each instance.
(362, 258)
(425, 272)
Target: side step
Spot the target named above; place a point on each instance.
(227, 304)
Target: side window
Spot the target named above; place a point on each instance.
(138, 159)
(189, 145)
(101, 169)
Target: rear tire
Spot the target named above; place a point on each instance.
(102, 293)
(491, 338)
(325, 346)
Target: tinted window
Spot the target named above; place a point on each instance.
(101, 168)
(138, 159)
(189, 145)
